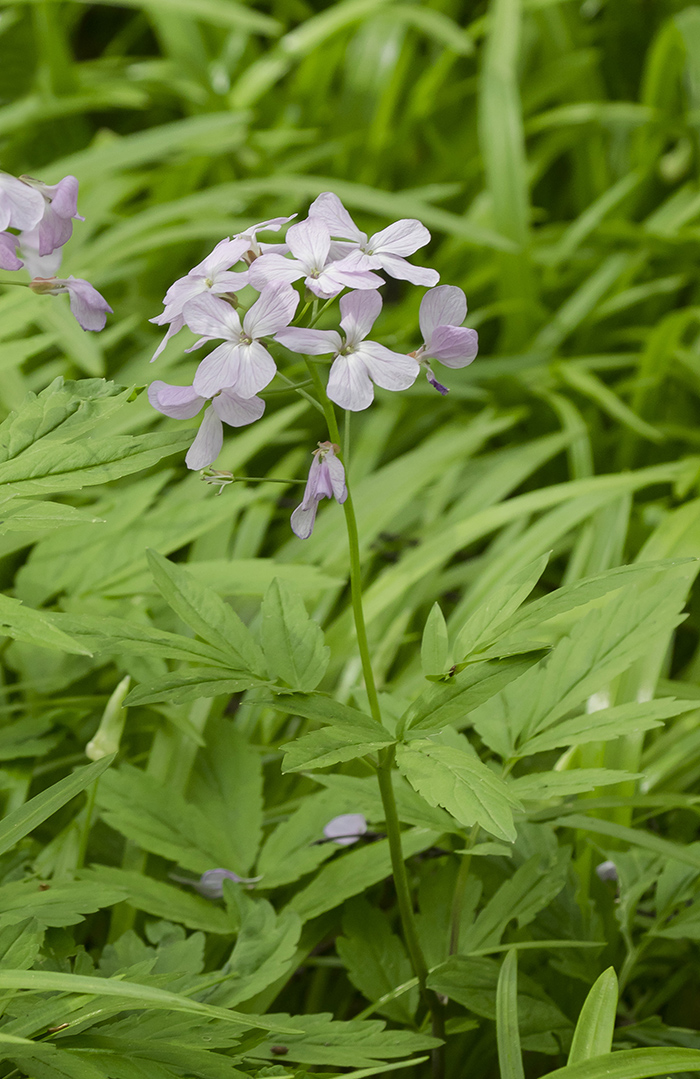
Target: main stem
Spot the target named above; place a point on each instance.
(386, 756)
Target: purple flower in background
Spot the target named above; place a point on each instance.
(241, 363)
(310, 244)
(212, 275)
(21, 207)
(346, 829)
(385, 250)
(358, 363)
(60, 208)
(86, 303)
(326, 480)
(8, 252)
(183, 402)
(442, 312)
(607, 871)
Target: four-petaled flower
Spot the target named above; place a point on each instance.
(183, 402)
(385, 250)
(59, 209)
(358, 363)
(310, 244)
(86, 303)
(241, 363)
(442, 312)
(326, 480)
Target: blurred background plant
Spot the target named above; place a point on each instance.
(551, 147)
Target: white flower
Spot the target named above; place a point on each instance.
(310, 244)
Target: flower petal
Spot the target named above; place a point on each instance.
(349, 274)
(273, 310)
(229, 281)
(180, 402)
(390, 370)
(311, 342)
(405, 271)
(359, 311)
(455, 346)
(86, 303)
(207, 445)
(402, 238)
(303, 518)
(445, 305)
(238, 411)
(256, 369)
(310, 242)
(349, 385)
(329, 210)
(337, 475)
(8, 252)
(270, 268)
(21, 206)
(226, 254)
(346, 829)
(175, 326)
(64, 197)
(219, 370)
(211, 317)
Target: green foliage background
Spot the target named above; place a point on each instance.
(551, 147)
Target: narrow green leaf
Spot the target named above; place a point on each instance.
(596, 1024)
(292, 642)
(35, 627)
(632, 1064)
(507, 1033)
(433, 650)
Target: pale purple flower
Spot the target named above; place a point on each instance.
(606, 871)
(326, 480)
(442, 312)
(60, 209)
(310, 244)
(211, 883)
(35, 264)
(241, 363)
(86, 303)
(212, 275)
(346, 829)
(21, 207)
(358, 363)
(8, 252)
(183, 402)
(255, 248)
(385, 250)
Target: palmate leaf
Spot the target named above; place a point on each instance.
(375, 959)
(603, 644)
(460, 783)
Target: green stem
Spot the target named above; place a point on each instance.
(87, 824)
(385, 756)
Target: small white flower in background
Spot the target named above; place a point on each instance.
(183, 402)
(346, 829)
(442, 312)
(211, 883)
(310, 244)
(326, 480)
(607, 871)
(241, 363)
(86, 303)
(358, 363)
(385, 250)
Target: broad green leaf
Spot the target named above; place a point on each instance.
(207, 614)
(461, 784)
(55, 903)
(595, 1026)
(292, 642)
(20, 822)
(507, 1033)
(451, 701)
(433, 650)
(352, 734)
(163, 900)
(376, 960)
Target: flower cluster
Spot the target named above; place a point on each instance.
(319, 260)
(42, 216)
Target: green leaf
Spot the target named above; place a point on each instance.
(606, 724)
(452, 701)
(58, 903)
(19, 822)
(35, 627)
(595, 1027)
(497, 607)
(207, 614)
(507, 1033)
(632, 1064)
(163, 900)
(433, 651)
(292, 642)
(461, 784)
(194, 684)
(376, 960)
(352, 734)
(542, 786)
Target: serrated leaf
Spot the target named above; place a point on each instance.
(36, 627)
(324, 1040)
(375, 959)
(192, 686)
(163, 900)
(207, 614)
(292, 642)
(541, 786)
(352, 734)
(461, 784)
(606, 724)
(499, 605)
